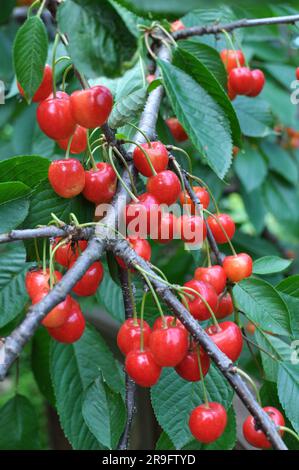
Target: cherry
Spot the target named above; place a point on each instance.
(189, 370)
(100, 184)
(241, 80)
(45, 88)
(79, 141)
(176, 26)
(258, 82)
(213, 275)
(55, 118)
(90, 281)
(37, 281)
(230, 91)
(140, 246)
(128, 337)
(236, 150)
(165, 186)
(158, 155)
(225, 306)
(201, 194)
(196, 306)
(250, 328)
(228, 337)
(73, 327)
(232, 59)
(166, 228)
(192, 229)
(91, 107)
(237, 267)
(221, 224)
(142, 368)
(150, 78)
(68, 252)
(176, 129)
(169, 321)
(297, 73)
(208, 422)
(256, 437)
(58, 315)
(144, 212)
(67, 177)
(169, 345)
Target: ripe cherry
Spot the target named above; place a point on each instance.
(169, 345)
(67, 177)
(255, 436)
(189, 370)
(297, 73)
(250, 328)
(58, 315)
(100, 184)
(37, 281)
(91, 107)
(128, 337)
(142, 213)
(176, 129)
(213, 275)
(230, 91)
(225, 306)
(176, 26)
(169, 321)
(142, 368)
(192, 229)
(166, 228)
(73, 327)
(228, 337)
(45, 88)
(55, 118)
(68, 252)
(158, 155)
(232, 59)
(238, 267)
(258, 82)
(221, 225)
(79, 141)
(208, 422)
(197, 307)
(140, 246)
(165, 186)
(241, 80)
(90, 281)
(201, 194)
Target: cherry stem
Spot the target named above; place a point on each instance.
(167, 34)
(208, 253)
(132, 298)
(290, 431)
(260, 348)
(40, 10)
(110, 156)
(148, 47)
(55, 45)
(58, 221)
(252, 383)
(205, 393)
(64, 241)
(141, 320)
(159, 271)
(223, 230)
(157, 302)
(200, 181)
(37, 251)
(65, 73)
(229, 39)
(45, 256)
(145, 154)
(32, 7)
(67, 154)
(119, 154)
(186, 154)
(178, 169)
(141, 132)
(214, 319)
(93, 163)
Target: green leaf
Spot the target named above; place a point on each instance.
(12, 214)
(256, 212)
(126, 109)
(201, 117)
(164, 442)
(288, 391)
(254, 116)
(40, 362)
(110, 296)
(13, 190)
(278, 195)
(104, 413)
(19, 425)
(29, 169)
(30, 51)
(280, 161)
(173, 399)
(129, 17)
(251, 168)
(270, 265)
(288, 289)
(263, 305)
(276, 348)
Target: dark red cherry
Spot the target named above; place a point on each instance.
(37, 281)
(225, 306)
(241, 80)
(55, 118)
(140, 246)
(189, 370)
(176, 129)
(67, 177)
(58, 315)
(201, 193)
(142, 214)
(73, 327)
(258, 82)
(142, 368)
(228, 337)
(232, 59)
(158, 155)
(207, 423)
(79, 141)
(255, 436)
(128, 337)
(197, 307)
(237, 267)
(168, 345)
(91, 107)
(68, 252)
(100, 184)
(192, 229)
(221, 224)
(165, 187)
(214, 275)
(45, 88)
(90, 281)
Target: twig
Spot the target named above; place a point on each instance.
(47, 232)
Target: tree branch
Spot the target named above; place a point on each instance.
(47, 232)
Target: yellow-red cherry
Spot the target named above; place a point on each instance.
(91, 107)
(237, 267)
(73, 327)
(67, 177)
(222, 227)
(157, 154)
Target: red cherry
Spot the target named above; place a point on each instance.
(241, 80)
(250, 328)
(176, 129)
(207, 423)
(230, 91)
(55, 118)
(232, 59)
(228, 338)
(165, 186)
(67, 177)
(297, 73)
(197, 307)
(169, 345)
(201, 193)
(188, 369)
(100, 184)
(58, 315)
(221, 224)
(37, 281)
(68, 252)
(91, 107)
(79, 141)
(73, 327)
(225, 306)
(158, 155)
(90, 281)
(166, 228)
(176, 26)
(258, 82)
(256, 437)
(169, 321)
(237, 267)
(128, 337)
(144, 212)
(142, 368)
(192, 229)
(140, 246)
(213, 275)
(45, 88)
